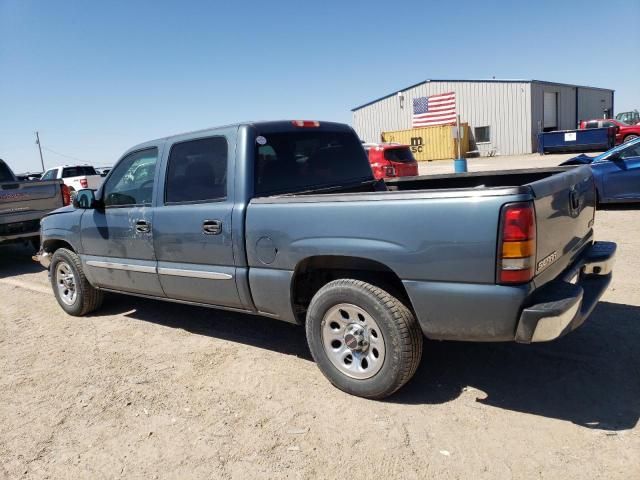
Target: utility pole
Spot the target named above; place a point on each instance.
(40, 150)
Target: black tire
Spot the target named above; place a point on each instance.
(628, 138)
(87, 298)
(401, 334)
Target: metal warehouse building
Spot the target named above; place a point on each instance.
(504, 116)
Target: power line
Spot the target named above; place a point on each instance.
(64, 155)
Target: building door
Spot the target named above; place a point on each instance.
(550, 112)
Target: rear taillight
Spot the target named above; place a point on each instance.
(517, 248)
(305, 123)
(84, 183)
(66, 194)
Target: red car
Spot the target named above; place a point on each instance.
(391, 160)
(624, 132)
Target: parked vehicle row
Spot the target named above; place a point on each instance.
(286, 220)
(24, 203)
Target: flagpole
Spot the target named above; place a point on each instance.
(458, 134)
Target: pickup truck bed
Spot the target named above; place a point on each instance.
(285, 219)
(23, 204)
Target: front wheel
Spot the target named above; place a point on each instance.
(364, 340)
(628, 138)
(71, 288)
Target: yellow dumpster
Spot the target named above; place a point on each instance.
(431, 143)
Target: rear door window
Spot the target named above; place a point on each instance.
(402, 155)
(197, 171)
(304, 160)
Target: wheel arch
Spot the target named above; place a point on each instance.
(50, 245)
(313, 272)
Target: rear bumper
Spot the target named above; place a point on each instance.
(492, 313)
(561, 306)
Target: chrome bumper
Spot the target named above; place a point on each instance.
(561, 306)
(43, 258)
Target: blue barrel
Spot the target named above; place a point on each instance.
(460, 165)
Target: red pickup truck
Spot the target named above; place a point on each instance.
(391, 160)
(624, 132)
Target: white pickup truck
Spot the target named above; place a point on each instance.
(76, 177)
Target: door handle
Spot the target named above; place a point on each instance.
(142, 226)
(212, 227)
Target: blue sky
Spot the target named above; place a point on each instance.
(98, 77)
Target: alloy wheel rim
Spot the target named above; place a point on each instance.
(353, 341)
(66, 283)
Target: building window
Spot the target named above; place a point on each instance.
(482, 134)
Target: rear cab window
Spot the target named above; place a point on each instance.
(5, 173)
(308, 159)
(81, 171)
(401, 155)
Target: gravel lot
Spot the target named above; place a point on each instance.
(147, 389)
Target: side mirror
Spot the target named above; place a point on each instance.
(85, 199)
(614, 157)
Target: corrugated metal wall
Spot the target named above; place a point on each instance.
(513, 111)
(593, 101)
(503, 106)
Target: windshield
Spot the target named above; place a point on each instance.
(306, 160)
(620, 148)
(5, 173)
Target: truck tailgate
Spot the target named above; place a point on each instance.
(18, 197)
(565, 207)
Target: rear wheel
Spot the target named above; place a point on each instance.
(71, 288)
(628, 138)
(364, 340)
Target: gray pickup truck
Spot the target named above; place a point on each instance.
(284, 219)
(24, 203)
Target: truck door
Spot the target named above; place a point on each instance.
(118, 239)
(192, 227)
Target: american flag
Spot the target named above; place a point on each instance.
(434, 110)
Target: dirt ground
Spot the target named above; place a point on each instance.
(146, 389)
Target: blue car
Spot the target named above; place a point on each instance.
(616, 172)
